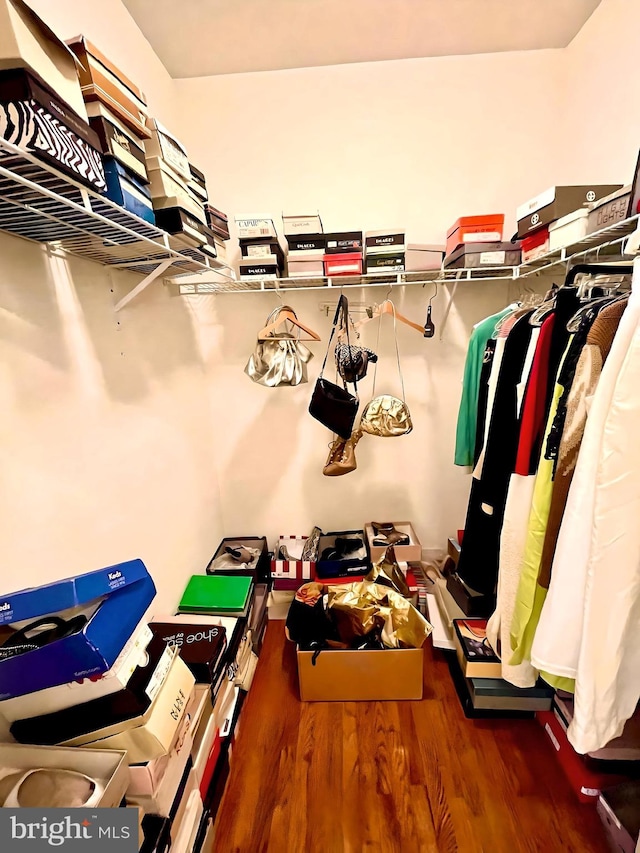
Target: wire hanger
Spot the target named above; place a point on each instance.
(287, 314)
(387, 307)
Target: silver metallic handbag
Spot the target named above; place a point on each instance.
(280, 359)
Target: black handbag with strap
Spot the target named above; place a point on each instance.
(334, 406)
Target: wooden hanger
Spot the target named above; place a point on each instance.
(387, 307)
(287, 315)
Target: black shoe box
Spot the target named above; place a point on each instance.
(471, 603)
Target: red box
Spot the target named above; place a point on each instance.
(487, 228)
(348, 263)
(586, 781)
(291, 574)
(535, 244)
(212, 760)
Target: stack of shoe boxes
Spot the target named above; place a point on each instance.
(178, 191)
(118, 113)
(306, 245)
(343, 253)
(385, 250)
(538, 217)
(42, 110)
(219, 224)
(149, 709)
(262, 255)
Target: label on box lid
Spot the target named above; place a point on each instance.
(301, 224)
(482, 237)
(260, 250)
(160, 672)
(348, 241)
(384, 238)
(495, 258)
(545, 198)
(243, 221)
(306, 242)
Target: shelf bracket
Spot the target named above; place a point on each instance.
(146, 281)
(447, 310)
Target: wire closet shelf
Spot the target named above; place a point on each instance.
(606, 244)
(40, 204)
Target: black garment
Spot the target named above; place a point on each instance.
(478, 562)
(483, 396)
(566, 305)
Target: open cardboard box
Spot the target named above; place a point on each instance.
(108, 767)
(411, 553)
(357, 675)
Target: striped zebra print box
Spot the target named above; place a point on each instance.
(34, 119)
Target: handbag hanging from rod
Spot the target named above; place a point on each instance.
(280, 359)
(386, 415)
(335, 407)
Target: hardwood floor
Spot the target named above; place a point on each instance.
(413, 777)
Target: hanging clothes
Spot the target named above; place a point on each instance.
(468, 411)
(478, 563)
(543, 395)
(512, 542)
(556, 647)
(530, 594)
(608, 672)
(598, 329)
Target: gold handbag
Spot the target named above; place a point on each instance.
(342, 456)
(386, 415)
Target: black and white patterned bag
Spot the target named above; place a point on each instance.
(352, 361)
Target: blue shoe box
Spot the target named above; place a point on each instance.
(127, 591)
(127, 190)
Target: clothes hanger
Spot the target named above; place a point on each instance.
(387, 307)
(287, 314)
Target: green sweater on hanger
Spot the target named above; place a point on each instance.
(468, 412)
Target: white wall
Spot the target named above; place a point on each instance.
(107, 439)
(601, 134)
(414, 143)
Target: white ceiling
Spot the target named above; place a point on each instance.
(197, 38)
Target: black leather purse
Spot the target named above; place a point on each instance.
(335, 407)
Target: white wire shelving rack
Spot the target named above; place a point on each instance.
(41, 204)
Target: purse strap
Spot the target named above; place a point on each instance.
(342, 310)
(395, 336)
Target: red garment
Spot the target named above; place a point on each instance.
(533, 411)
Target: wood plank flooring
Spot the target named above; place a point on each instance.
(411, 777)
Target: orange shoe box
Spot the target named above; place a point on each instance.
(475, 229)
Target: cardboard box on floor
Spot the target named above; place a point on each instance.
(353, 676)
